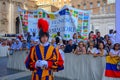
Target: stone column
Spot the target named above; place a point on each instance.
(11, 18)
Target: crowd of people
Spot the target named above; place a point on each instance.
(95, 44)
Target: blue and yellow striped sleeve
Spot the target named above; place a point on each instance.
(31, 60)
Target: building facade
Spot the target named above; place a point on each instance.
(102, 13)
(96, 6)
(9, 14)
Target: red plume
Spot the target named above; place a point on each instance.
(43, 24)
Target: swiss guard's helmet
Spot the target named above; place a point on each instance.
(43, 28)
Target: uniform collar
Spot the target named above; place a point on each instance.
(46, 44)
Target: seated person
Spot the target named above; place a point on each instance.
(80, 48)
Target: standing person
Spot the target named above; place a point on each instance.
(80, 49)
(91, 38)
(60, 47)
(75, 41)
(33, 37)
(28, 37)
(101, 50)
(98, 39)
(115, 51)
(53, 42)
(70, 47)
(59, 36)
(24, 44)
(106, 38)
(18, 44)
(91, 49)
(112, 36)
(108, 45)
(43, 59)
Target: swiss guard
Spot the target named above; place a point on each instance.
(44, 59)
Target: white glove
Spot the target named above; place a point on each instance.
(41, 63)
(38, 63)
(45, 63)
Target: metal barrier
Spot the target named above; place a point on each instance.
(77, 67)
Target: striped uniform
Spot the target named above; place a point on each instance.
(48, 53)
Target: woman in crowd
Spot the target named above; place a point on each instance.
(80, 48)
(106, 38)
(101, 51)
(91, 49)
(75, 40)
(115, 51)
(91, 38)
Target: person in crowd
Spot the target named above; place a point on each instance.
(33, 37)
(91, 38)
(115, 51)
(81, 49)
(13, 43)
(4, 48)
(70, 47)
(112, 36)
(18, 44)
(106, 38)
(44, 59)
(24, 44)
(91, 49)
(28, 37)
(53, 42)
(59, 36)
(101, 50)
(108, 45)
(75, 41)
(36, 42)
(61, 50)
(57, 40)
(98, 39)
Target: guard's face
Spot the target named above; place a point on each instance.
(44, 39)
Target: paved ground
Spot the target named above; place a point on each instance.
(29, 78)
(10, 74)
(3, 67)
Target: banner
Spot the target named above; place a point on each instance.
(67, 21)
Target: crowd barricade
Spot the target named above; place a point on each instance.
(77, 67)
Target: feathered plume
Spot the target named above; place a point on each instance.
(43, 24)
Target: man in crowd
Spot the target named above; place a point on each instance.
(70, 47)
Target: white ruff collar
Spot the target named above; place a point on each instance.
(46, 44)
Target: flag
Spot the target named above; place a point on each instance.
(111, 67)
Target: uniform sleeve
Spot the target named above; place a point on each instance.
(56, 62)
(30, 60)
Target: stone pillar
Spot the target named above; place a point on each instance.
(11, 18)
